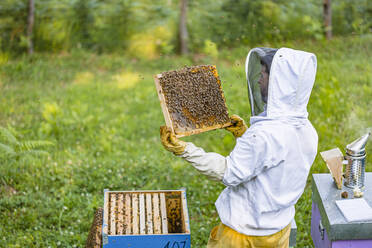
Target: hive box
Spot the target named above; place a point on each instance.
(329, 228)
(145, 219)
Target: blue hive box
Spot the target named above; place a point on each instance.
(145, 219)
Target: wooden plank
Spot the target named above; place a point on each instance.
(174, 215)
(201, 130)
(135, 224)
(185, 217)
(112, 214)
(149, 222)
(156, 212)
(120, 223)
(142, 212)
(106, 212)
(128, 215)
(167, 118)
(163, 212)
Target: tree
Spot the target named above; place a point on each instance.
(183, 34)
(327, 16)
(30, 25)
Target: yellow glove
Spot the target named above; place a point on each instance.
(170, 142)
(238, 126)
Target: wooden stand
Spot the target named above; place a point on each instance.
(329, 228)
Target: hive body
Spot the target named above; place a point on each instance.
(145, 219)
(192, 100)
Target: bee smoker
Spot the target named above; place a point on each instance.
(356, 163)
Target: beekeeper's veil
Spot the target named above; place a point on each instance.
(256, 59)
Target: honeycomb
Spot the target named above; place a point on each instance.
(194, 98)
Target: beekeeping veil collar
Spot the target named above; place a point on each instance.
(257, 59)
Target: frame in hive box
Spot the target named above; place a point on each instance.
(192, 100)
(141, 219)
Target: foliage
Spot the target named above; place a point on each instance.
(151, 44)
(133, 26)
(13, 16)
(251, 22)
(210, 48)
(12, 150)
(104, 114)
(352, 16)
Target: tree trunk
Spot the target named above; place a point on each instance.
(183, 34)
(327, 15)
(30, 25)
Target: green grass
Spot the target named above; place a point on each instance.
(103, 115)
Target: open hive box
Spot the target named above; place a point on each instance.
(192, 100)
(145, 219)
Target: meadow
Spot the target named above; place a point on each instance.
(102, 113)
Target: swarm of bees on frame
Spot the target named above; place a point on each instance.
(95, 235)
(194, 97)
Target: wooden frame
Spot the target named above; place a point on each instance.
(120, 219)
(135, 222)
(168, 119)
(94, 239)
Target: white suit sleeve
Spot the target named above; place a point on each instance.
(210, 164)
(253, 153)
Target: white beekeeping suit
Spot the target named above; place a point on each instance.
(266, 172)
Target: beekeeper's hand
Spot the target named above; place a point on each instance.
(170, 142)
(238, 126)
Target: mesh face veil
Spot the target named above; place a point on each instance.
(257, 69)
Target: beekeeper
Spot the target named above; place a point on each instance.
(266, 172)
